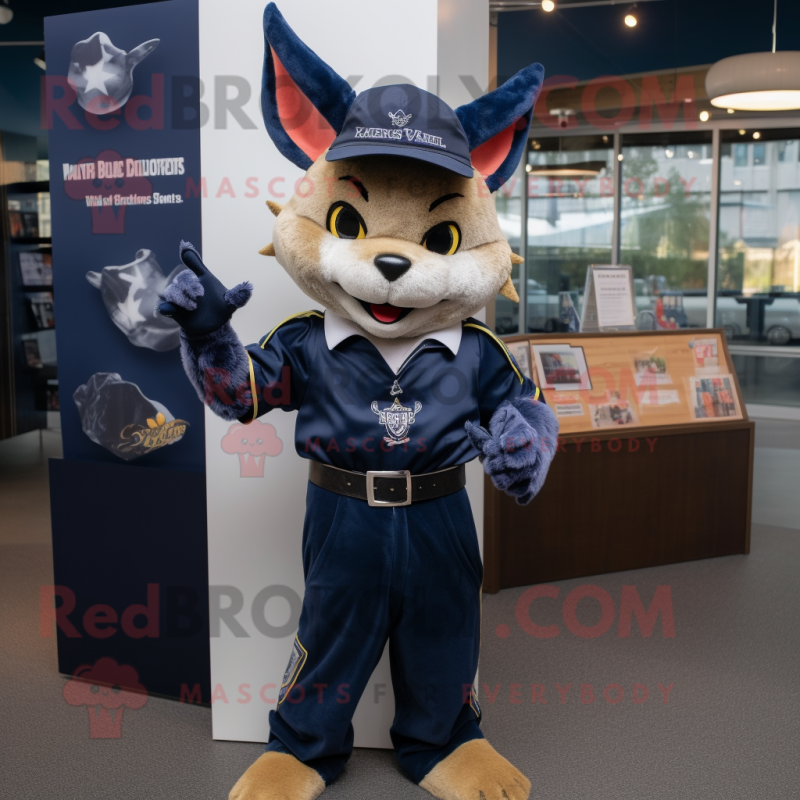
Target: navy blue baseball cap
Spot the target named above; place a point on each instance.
(403, 120)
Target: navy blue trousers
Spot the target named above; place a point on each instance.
(410, 575)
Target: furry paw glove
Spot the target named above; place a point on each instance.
(218, 368)
(213, 357)
(197, 300)
(517, 449)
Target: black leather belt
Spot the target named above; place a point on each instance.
(388, 487)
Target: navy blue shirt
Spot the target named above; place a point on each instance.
(355, 413)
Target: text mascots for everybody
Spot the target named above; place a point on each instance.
(398, 250)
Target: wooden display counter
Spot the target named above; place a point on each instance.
(655, 461)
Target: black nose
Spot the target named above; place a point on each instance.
(391, 266)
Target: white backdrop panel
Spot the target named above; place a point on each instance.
(255, 522)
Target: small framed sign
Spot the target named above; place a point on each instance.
(608, 299)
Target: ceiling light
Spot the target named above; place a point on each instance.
(742, 131)
(39, 60)
(6, 14)
(630, 20)
(730, 111)
(528, 168)
(756, 135)
(757, 81)
(548, 5)
(669, 153)
(579, 169)
(620, 157)
(704, 116)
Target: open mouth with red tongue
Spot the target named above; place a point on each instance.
(386, 313)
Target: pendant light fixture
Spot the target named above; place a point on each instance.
(576, 169)
(757, 81)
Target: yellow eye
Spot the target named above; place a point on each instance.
(443, 238)
(345, 222)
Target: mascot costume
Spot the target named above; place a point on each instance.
(394, 233)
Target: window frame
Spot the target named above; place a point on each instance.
(716, 127)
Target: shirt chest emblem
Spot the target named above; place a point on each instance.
(398, 419)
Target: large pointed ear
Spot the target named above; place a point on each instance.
(497, 125)
(303, 100)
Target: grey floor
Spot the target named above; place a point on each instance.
(730, 728)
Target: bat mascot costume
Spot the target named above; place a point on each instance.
(398, 244)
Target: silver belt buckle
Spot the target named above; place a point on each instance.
(391, 473)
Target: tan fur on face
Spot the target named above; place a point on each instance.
(338, 272)
(476, 770)
(278, 776)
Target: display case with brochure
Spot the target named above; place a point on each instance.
(654, 461)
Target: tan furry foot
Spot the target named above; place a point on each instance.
(278, 776)
(476, 771)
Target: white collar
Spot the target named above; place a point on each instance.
(394, 351)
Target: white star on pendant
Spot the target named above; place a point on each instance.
(94, 75)
(130, 308)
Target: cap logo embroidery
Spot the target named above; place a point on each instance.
(411, 135)
(399, 118)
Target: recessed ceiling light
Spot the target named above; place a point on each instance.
(742, 131)
(630, 20)
(548, 5)
(731, 111)
(756, 135)
(704, 116)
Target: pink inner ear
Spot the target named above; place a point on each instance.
(305, 126)
(488, 157)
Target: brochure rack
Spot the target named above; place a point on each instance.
(654, 462)
(29, 387)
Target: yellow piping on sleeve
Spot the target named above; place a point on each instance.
(289, 319)
(502, 347)
(253, 391)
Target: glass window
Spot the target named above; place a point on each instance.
(758, 297)
(664, 229)
(570, 220)
(664, 226)
(508, 203)
(768, 379)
